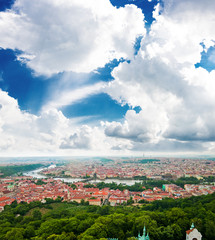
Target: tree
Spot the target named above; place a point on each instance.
(72, 225)
(86, 237)
(29, 232)
(177, 232)
(85, 224)
(15, 233)
(104, 210)
(96, 231)
(53, 226)
(37, 214)
(210, 229)
(130, 201)
(174, 214)
(21, 209)
(14, 204)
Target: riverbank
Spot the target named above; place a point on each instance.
(37, 174)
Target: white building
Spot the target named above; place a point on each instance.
(193, 234)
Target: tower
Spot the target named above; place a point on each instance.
(145, 236)
(144, 231)
(193, 233)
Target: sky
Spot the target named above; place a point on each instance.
(107, 77)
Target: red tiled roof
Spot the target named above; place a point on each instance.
(189, 231)
(94, 200)
(4, 199)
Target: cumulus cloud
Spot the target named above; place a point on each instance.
(27, 133)
(142, 129)
(21, 132)
(60, 35)
(49, 133)
(180, 28)
(169, 146)
(80, 139)
(85, 137)
(177, 99)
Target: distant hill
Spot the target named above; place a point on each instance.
(17, 169)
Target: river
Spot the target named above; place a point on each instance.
(37, 174)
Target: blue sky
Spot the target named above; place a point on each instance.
(5, 4)
(31, 91)
(98, 76)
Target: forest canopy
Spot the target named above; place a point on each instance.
(164, 220)
(18, 169)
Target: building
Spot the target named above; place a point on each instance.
(193, 234)
(144, 236)
(96, 201)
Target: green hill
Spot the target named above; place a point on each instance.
(164, 220)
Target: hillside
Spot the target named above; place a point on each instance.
(164, 220)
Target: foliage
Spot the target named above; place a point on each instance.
(16, 169)
(136, 187)
(40, 182)
(151, 183)
(187, 180)
(106, 160)
(209, 179)
(143, 161)
(73, 186)
(89, 185)
(164, 220)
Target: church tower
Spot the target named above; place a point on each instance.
(193, 234)
(145, 236)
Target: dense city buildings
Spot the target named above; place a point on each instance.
(133, 167)
(28, 189)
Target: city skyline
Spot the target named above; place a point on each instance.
(100, 77)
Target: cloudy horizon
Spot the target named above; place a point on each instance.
(100, 77)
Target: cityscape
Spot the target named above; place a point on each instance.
(107, 120)
(100, 186)
(55, 181)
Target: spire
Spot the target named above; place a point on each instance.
(192, 226)
(144, 231)
(147, 236)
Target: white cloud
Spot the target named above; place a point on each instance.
(24, 133)
(180, 29)
(80, 139)
(137, 127)
(177, 100)
(50, 133)
(69, 96)
(85, 137)
(75, 35)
